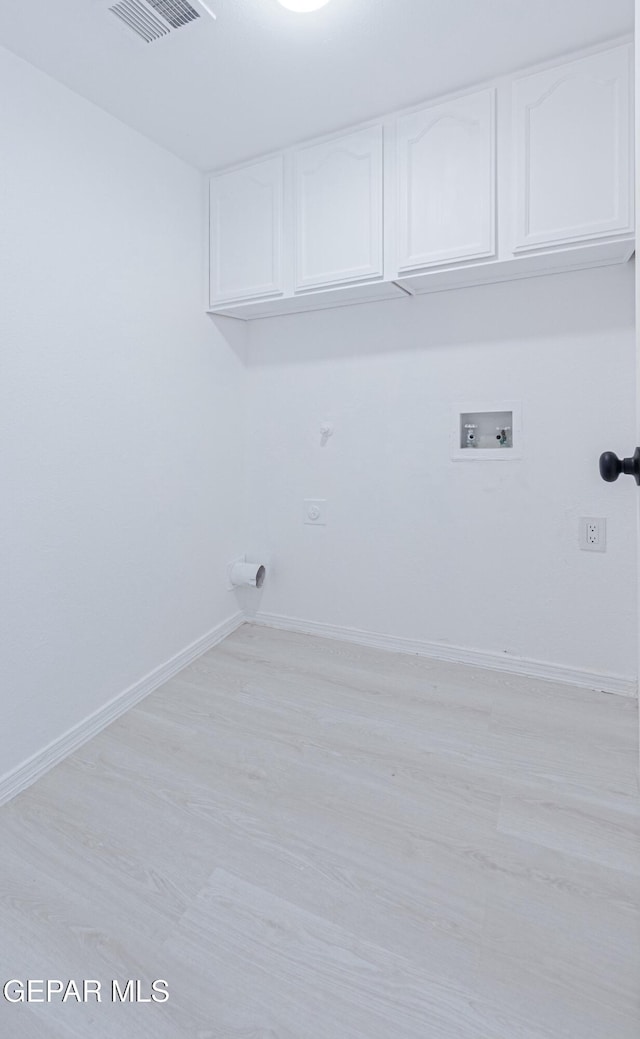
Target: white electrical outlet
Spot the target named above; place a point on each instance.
(315, 511)
(593, 534)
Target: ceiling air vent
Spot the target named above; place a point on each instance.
(153, 19)
(175, 12)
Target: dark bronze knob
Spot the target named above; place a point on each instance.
(611, 466)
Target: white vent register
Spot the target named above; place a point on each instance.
(150, 20)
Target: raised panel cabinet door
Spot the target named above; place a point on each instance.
(573, 155)
(446, 182)
(246, 211)
(338, 210)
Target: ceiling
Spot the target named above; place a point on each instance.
(260, 77)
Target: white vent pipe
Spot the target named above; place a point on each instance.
(242, 573)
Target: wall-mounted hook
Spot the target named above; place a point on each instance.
(326, 431)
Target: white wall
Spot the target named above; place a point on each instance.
(121, 426)
(478, 555)
(120, 413)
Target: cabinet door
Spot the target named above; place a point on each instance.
(446, 182)
(246, 210)
(338, 210)
(573, 160)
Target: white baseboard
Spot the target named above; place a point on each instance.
(619, 684)
(24, 775)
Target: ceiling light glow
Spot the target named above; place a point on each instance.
(302, 6)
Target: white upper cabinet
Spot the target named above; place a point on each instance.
(246, 231)
(573, 151)
(446, 182)
(525, 176)
(338, 210)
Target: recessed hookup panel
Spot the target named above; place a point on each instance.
(487, 432)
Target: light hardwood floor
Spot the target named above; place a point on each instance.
(312, 840)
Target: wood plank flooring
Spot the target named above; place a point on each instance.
(312, 840)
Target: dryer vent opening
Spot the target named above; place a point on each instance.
(242, 574)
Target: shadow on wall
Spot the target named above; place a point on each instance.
(234, 332)
(592, 301)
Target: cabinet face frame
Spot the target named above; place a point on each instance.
(441, 110)
(529, 92)
(321, 151)
(271, 170)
